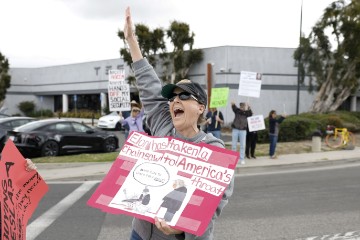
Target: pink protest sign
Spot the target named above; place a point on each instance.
(20, 192)
(168, 178)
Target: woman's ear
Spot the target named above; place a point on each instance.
(201, 109)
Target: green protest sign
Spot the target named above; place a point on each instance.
(219, 97)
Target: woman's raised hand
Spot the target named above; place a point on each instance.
(129, 34)
(128, 27)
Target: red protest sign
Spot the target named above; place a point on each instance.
(20, 192)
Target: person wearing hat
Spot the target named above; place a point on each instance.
(126, 114)
(173, 110)
(135, 121)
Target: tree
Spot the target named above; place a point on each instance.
(4, 78)
(331, 55)
(175, 65)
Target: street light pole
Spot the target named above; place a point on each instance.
(298, 73)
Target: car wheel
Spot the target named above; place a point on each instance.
(118, 127)
(110, 145)
(50, 148)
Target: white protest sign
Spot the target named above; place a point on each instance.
(250, 84)
(119, 91)
(256, 123)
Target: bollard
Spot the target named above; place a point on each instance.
(316, 144)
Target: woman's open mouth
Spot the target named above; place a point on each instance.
(178, 112)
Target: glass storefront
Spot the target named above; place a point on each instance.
(90, 102)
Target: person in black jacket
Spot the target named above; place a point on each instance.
(214, 119)
(251, 140)
(239, 126)
(274, 131)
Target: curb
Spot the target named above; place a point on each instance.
(286, 166)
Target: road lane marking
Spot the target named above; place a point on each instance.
(46, 219)
(338, 236)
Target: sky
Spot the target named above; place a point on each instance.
(41, 33)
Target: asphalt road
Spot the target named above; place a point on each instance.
(289, 204)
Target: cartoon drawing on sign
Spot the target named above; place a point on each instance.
(154, 180)
(173, 200)
(138, 203)
(145, 175)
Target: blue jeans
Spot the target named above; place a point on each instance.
(273, 141)
(135, 236)
(239, 135)
(216, 133)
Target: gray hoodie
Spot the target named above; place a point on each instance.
(160, 123)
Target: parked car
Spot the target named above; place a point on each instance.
(9, 123)
(53, 137)
(3, 115)
(110, 121)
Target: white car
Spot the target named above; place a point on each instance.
(110, 121)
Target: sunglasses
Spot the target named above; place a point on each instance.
(183, 96)
(135, 110)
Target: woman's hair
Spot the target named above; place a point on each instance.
(179, 183)
(271, 113)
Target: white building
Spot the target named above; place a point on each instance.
(84, 85)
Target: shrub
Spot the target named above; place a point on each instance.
(27, 107)
(42, 113)
(303, 126)
(80, 114)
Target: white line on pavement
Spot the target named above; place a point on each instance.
(46, 219)
(338, 236)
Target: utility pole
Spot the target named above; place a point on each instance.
(209, 82)
(298, 73)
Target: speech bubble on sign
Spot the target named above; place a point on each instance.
(151, 174)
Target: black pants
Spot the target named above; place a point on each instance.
(251, 139)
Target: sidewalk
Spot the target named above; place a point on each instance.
(86, 171)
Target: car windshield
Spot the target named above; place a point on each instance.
(29, 126)
(113, 114)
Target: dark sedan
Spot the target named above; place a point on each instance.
(9, 123)
(53, 137)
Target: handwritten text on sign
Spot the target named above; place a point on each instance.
(256, 123)
(250, 84)
(20, 193)
(219, 97)
(119, 91)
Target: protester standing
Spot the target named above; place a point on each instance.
(173, 110)
(239, 126)
(274, 123)
(214, 119)
(251, 140)
(135, 120)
